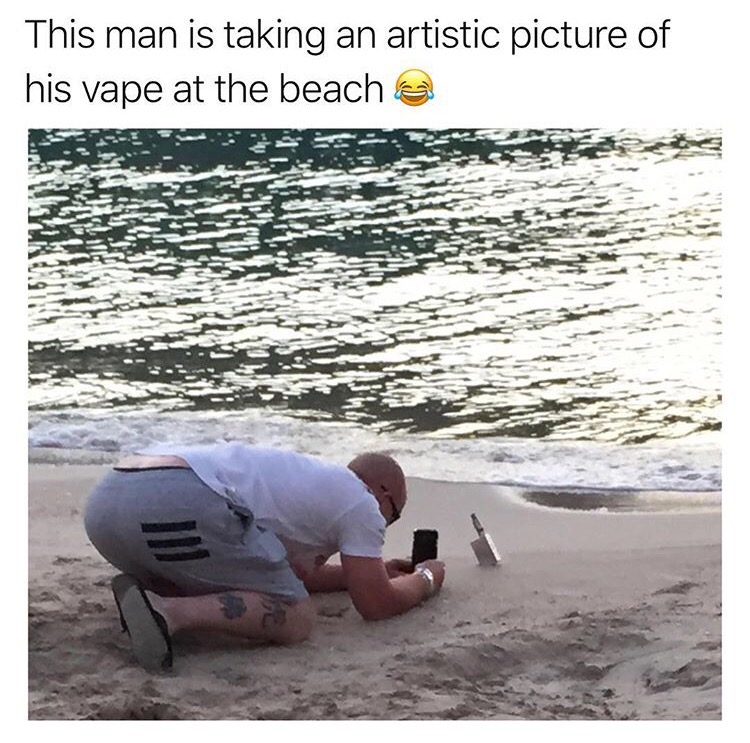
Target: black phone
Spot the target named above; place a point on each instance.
(425, 546)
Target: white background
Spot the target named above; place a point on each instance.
(681, 85)
(699, 80)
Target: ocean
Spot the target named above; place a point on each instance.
(537, 308)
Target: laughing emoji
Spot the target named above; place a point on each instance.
(414, 87)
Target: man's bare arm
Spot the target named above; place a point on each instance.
(376, 596)
(324, 579)
(330, 578)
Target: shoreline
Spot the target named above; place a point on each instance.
(571, 497)
(591, 615)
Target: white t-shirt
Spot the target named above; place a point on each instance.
(315, 508)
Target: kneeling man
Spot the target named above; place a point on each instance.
(232, 537)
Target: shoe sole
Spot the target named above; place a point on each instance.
(149, 642)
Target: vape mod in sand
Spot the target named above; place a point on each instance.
(484, 548)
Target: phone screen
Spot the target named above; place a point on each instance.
(424, 546)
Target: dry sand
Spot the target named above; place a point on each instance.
(592, 615)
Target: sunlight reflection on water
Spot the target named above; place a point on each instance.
(550, 284)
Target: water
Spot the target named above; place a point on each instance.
(536, 307)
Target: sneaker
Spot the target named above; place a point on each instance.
(149, 636)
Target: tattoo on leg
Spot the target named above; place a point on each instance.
(232, 606)
(275, 611)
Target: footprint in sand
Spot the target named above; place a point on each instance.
(682, 587)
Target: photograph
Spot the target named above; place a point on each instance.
(375, 423)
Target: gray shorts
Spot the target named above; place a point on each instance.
(178, 537)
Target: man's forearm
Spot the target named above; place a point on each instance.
(404, 593)
(325, 579)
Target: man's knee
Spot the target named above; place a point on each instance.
(297, 624)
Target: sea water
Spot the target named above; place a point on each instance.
(539, 308)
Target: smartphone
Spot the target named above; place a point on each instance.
(424, 546)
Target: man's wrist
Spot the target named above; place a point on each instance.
(429, 579)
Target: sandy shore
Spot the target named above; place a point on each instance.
(592, 615)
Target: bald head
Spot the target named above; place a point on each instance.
(383, 475)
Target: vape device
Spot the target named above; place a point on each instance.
(484, 548)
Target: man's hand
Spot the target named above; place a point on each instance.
(437, 568)
(398, 567)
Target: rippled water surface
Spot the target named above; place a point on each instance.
(531, 284)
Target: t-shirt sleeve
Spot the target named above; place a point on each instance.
(362, 531)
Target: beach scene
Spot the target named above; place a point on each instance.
(529, 321)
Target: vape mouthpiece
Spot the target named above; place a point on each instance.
(477, 524)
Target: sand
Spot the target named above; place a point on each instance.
(592, 615)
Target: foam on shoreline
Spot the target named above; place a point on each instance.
(551, 498)
(690, 465)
